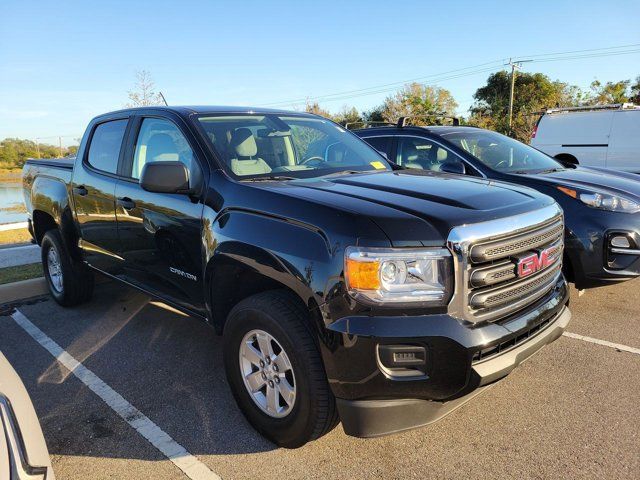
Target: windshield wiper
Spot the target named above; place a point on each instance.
(551, 170)
(269, 178)
(342, 172)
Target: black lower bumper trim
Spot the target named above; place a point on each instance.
(374, 418)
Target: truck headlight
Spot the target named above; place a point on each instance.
(603, 201)
(399, 275)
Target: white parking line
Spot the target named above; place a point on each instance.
(617, 346)
(189, 464)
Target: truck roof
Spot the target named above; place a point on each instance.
(201, 109)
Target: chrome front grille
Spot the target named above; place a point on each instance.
(489, 283)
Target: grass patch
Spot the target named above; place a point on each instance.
(20, 272)
(17, 207)
(19, 235)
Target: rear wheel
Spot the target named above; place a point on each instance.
(275, 371)
(70, 282)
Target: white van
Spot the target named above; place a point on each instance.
(602, 136)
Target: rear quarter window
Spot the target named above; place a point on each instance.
(106, 142)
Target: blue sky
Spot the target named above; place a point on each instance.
(62, 63)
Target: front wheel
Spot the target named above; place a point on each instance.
(275, 371)
(69, 281)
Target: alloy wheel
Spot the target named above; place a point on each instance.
(267, 373)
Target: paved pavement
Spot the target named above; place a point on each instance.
(19, 255)
(570, 412)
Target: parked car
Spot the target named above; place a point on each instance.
(603, 136)
(344, 289)
(602, 219)
(23, 451)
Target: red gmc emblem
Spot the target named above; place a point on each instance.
(536, 262)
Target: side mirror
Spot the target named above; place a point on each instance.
(453, 167)
(165, 177)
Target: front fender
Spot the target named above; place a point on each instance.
(293, 255)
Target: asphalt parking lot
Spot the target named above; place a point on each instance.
(571, 411)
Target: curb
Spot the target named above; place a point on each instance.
(12, 292)
(13, 226)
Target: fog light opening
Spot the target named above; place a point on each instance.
(402, 362)
(620, 241)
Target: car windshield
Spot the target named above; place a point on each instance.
(500, 152)
(281, 147)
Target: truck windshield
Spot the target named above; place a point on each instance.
(287, 146)
(502, 153)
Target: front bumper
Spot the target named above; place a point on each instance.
(372, 418)
(461, 360)
(592, 260)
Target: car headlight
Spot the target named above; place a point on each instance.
(603, 201)
(395, 275)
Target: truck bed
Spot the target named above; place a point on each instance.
(65, 163)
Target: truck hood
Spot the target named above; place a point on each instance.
(593, 179)
(440, 201)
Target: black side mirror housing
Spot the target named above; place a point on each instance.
(453, 167)
(165, 177)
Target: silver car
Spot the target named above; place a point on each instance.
(23, 451)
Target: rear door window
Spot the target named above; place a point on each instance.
(106, 142)
(381, 144)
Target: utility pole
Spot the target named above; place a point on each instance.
(38, 147)
(514, 66)
(60, 144)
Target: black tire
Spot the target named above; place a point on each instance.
(313, 413)
(77, 280)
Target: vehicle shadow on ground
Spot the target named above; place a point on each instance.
(166, 364)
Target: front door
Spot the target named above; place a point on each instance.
(160, 233)
(93, 189)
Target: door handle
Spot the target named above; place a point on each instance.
(81, 190)
(126, 203)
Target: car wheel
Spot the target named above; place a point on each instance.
(275, 371)
(69, 281)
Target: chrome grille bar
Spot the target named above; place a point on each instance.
(524, 289)
(520, 243)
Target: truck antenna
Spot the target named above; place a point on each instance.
(163, 99)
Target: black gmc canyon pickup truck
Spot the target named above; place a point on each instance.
(346, 289)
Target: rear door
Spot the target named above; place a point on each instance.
(624, 141)
(161, 234)
(93, 187)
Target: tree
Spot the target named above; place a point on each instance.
(635, 92)
(14, 151)
(348, 116)
(419, 100)
(373, 115)
(144, 93)
(610, 92)
(314, 107)
(533, 92)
